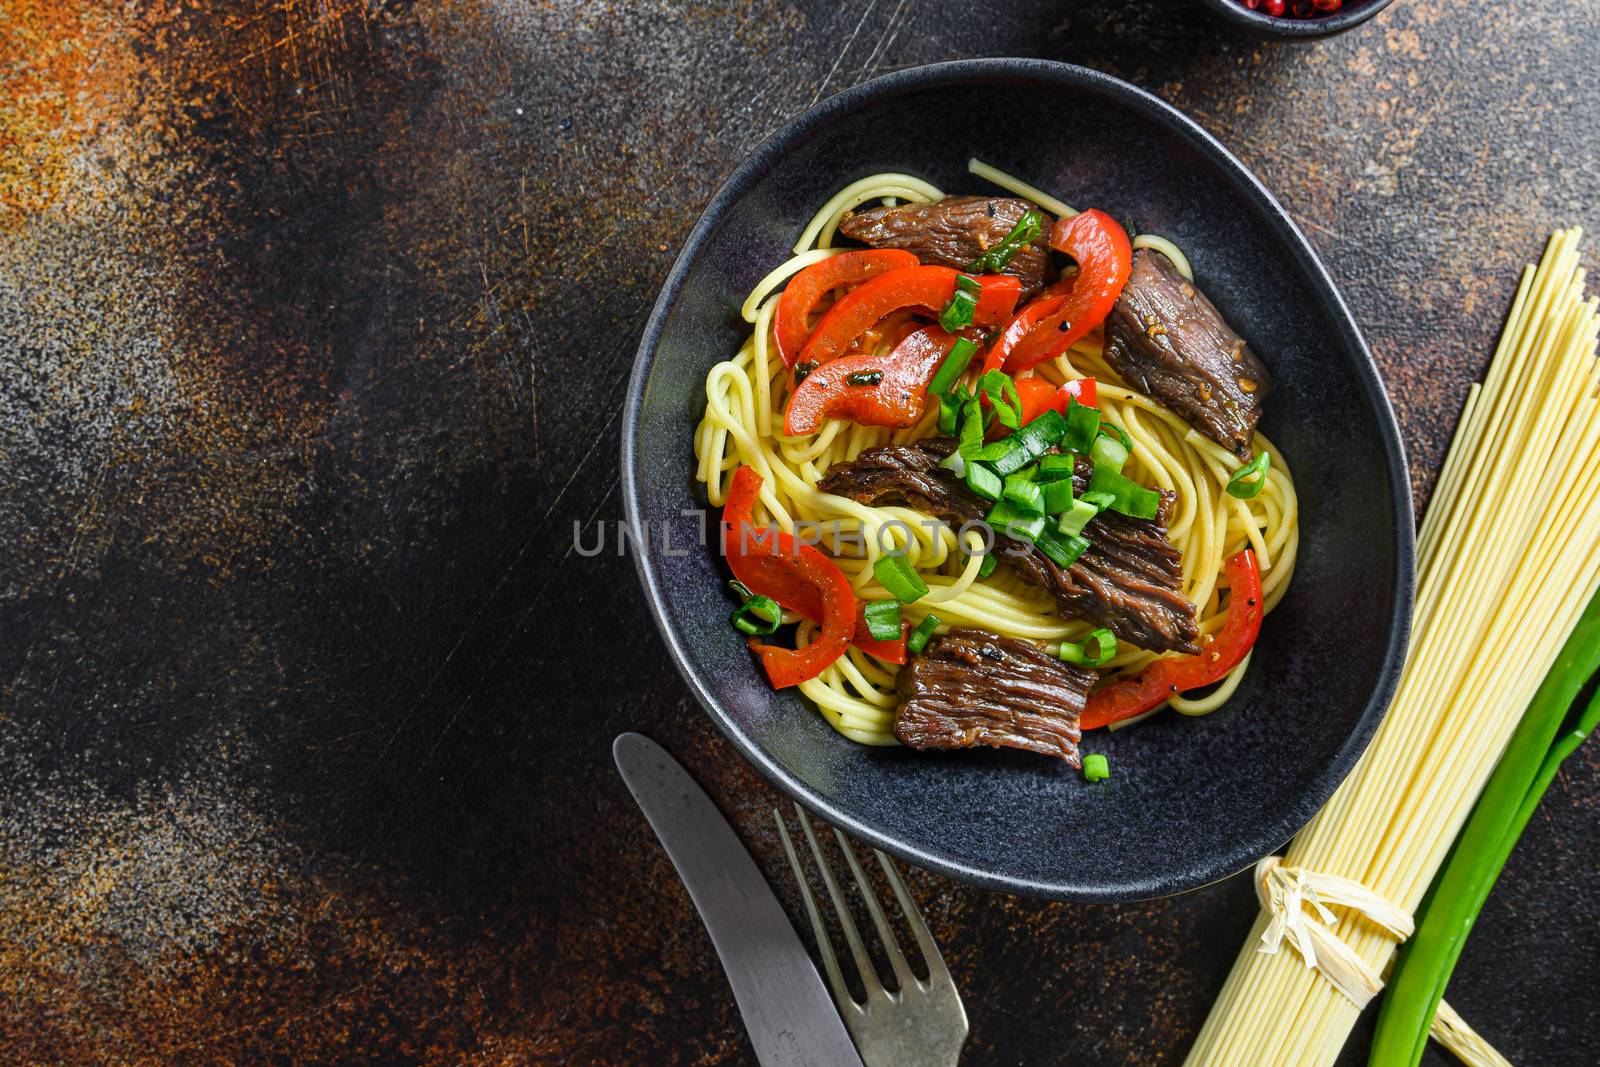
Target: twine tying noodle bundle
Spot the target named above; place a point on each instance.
(1287, 892)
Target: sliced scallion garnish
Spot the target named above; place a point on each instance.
(983, 481)
(1108, 451)
(883, 619)
(954, 365)
(1056, 467)
(1108, 429)
(957, 314)
(1062, 549)
(1248, 479)
(918, 639)
(1104, 643)
(1001, 392)
(1024, 495)
(1076, 517)
(1025, 231)
(1083, 423)
(951, 405)
(757, 616)
(971, 443)
(1127, 495)
(1008, 519)
(896, 574)
(1058, 497)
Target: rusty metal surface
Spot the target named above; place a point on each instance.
(314, 317)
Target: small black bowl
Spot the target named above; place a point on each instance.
(1348, 17)
(1189, 801)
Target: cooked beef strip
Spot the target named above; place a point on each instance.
(953, 232)
(1129, 580)
(971, 687)
(1165, 338)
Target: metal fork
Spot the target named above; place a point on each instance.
(922, 1024)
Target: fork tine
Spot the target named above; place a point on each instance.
(919, 929)
(891, 947)
(830, 962)
(852, 936)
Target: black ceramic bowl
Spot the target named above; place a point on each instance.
(1348, 17)
(1189, 800)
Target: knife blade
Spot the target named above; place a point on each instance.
(787, 1011)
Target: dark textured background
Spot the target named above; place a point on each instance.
(314, 323)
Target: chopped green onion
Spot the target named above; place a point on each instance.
(919, 637)
(1045, 430)
(1075, 518)
(1248, 479)
(1110, 430)
(1108, 451)
(1003, 447)
(1013, 523)
(763, 608)
(1058, 497)
(950, 405)
(1011, 454)
(1127, 495)
(971, 445)
(1101, 500)
(957, 314)
(986, 568)
(1025, 232)
(1056, 467)
(969, 284)
(883, 619)
(983, 481)
(1023, 495)
(954, 464)
(1002, 393)
(1083, 423)
(865, 377)
(803, 369)
(1105, 646)
(1063, 549)
(954, 365)
(1095, 767)
(896, 574)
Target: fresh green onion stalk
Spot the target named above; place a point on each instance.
(1550, 730)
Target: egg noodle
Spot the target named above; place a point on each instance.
(1501, 582)
(743, 423)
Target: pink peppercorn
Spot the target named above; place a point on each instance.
(1300, 9)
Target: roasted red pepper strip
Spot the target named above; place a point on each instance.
(837, 389)
(1129, 697)
(1037, 394)
(1020, 327)
(1104, 257)
(769, 575)
(799, 577)
(791, 318)
(928, 288)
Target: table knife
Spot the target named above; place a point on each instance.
(790, 1018)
